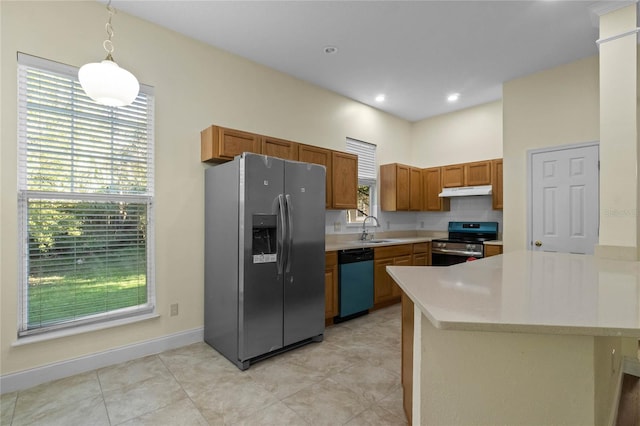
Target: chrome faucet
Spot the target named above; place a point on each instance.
(363, 237)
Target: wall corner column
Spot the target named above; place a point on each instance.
(619, 154)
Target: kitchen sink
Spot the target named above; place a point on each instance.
(376, 241)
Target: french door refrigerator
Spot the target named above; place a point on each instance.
(264, 256)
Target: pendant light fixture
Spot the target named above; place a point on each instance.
(105, 82)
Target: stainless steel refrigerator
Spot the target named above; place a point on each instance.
(264, 256)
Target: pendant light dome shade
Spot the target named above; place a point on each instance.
(108, 84)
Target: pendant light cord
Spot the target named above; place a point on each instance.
(108, 44)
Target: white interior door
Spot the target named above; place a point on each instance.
(564, 199)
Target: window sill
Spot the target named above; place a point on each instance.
(82, 329)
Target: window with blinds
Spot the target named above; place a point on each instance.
(85, 197)
(366, 153)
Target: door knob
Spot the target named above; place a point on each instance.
(538, 243)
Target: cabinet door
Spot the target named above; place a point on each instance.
(477, 173)
(222, 144)
(492, 250)
(383, 284)
(279, 148)
(331, 285)
(431, 188)
(415, 189)
(453, 176)
(399, 261)
(422, 254)
(388, 187)
(345, 180)
(315, 155)
(407, 356)
(420, 259)
(496, 182)
(403, 192)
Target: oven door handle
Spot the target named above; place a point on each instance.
(457, 252)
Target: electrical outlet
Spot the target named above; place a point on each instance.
(174, 310)
(422, 224)
(388, 224)
(337, 226)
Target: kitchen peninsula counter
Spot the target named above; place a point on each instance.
(520, 338)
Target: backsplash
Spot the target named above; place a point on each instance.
(476, 208)
(463, 209)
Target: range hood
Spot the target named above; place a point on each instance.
(465, 191)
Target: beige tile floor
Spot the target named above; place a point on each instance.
(351, 378)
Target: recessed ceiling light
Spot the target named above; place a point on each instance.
(380, 98)
(453, 97)
(330, 50)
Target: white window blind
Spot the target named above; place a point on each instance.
(85, 196)
(366, 153)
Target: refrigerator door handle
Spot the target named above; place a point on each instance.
(281, 234)
(289, 232)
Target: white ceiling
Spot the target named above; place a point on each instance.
(415, 52)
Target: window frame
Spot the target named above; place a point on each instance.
(24, 194)
(367, 176)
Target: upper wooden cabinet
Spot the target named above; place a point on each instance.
(477, 173)
(317, 155)
(342, 174)
(279, 148)
(400, 187)
(344, 171)
(415, 189)
(453, 176)
(220, 144)
(431, 188)
(466, 174)
(496, 181)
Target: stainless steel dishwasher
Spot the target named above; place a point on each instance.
(355, 275)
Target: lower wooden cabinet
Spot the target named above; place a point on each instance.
(492, 250)
(385, 291)
(421, 254)
(407, 356)
(331, 286)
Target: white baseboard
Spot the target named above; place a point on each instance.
(35, 376)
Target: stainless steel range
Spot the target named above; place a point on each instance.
(465, 242)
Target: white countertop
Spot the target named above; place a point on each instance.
(343, 245)
(527, 291)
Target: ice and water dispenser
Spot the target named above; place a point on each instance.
(264, 244)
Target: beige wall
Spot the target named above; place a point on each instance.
(195, 86)
(471, 134)
(555, 107)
